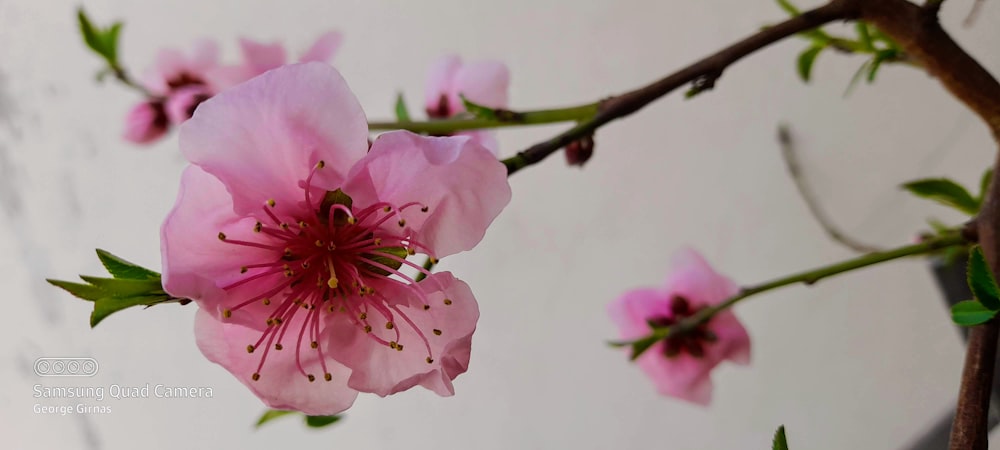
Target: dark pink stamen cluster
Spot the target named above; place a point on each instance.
(692, 342)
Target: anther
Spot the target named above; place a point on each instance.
(288, 252)
(267, 301)
(389, 325)
(305, 264)
(393, 344)
(331, 246)
(425, 209)
(257, 227)
(321, 164)
(303, 224)
(318, 243)
(429, 360)
(327, 376)
(331, 309)
(387, 209)
(426, 307)
(447, 301)
(433, 260)
(278, 346)
(250, 348)
(222, 236)
(368, 328)
(362, 316)
(332, 282)
(402, 222)
(270, 322)
(271, 202)
(411, 251)
(227, 313)
(399, 347)
(351, 220)
(311, 378)
(314, 344)
(255, 376)
(243, 269)
(437, 332)
(283, 225)
(378, 241)
(277, 320)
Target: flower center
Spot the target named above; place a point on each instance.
(329, 260)
(691, 342)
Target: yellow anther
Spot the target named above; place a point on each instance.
(314, 344)
(447, 301)
(243, 269)
(327, 376)
(277, 320)
(267, 301)
(433, 260)
(378, 241)
(250, 348)
(332, 282)
(362, 316)
(311, 378)
(437, 332)
(257, 227)
(425, 209)
(283, 225)
(402, 222)
(389, 325)
(331, 309)
(429, 360)
(368, 328)
(222, 236)
(392, 344)
(411, 251)
(303, 224)
(288, 252)
(399, 347)
(319, 243)
(351, 220)
(305, 264)
(321, 164)
(270, 322)
(255, 376)
(278, 346)
(271, 202)
(387, 209)
(426, 307)
(227, 313)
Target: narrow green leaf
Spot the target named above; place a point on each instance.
(91, 35)
(121, 268)
(480, 111)
(856, 78)
(639, 347)
(79, 290)
(970, 313)
(946, 192)
(125, 288)
(780, 442)
(789, 8)
(110, 38)
(402, 114)
(806, 60)
(270, 415)
(981, 280)
(321, 421)
(104, 307)
(873, 67)
(984, 185)
(864, 36)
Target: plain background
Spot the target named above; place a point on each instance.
(867, 360)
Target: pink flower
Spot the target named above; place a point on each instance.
(260, 57)
(680, 367)
(145, 122)
(173, 70)
(485, 83)
(293, 237)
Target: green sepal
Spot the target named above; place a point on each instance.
(402, 114)
(321, 421)
(981, 281)
(864, 35)
(780, 442)
(946, 192)
(120, 268)
(399, 252)
(970, 313)
(270, 415)
(124, 287)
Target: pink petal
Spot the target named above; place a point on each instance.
(145, 123)
(264, 136)
(205, 55)
(484, 138)
(382, 370)
(182, 102)
(323, 49)
(440, 79)
(168, 63)
(280, 385)
(682, 376)
(632, 310)
(461, 183)
(485, 83)
(694, 279)
(195, 262)
(260, 57)
(734, 341)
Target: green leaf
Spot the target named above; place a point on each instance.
(402, 114)
(115, 287)
(110, 38)
(121, 268)
(104, 307)
(480, 111)
(864, 36)
(984, 184)
(780, 442)
(981, 281)
(806, 60)
(946, 192)
(639, 347)
(321, 421)
(270, 415)
(84, 291)
(91, 35)
(789, 8)
(856, 78)
(970, 313)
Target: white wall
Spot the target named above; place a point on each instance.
(867, 360)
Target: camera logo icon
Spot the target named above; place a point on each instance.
(66, 367)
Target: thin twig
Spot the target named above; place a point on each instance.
(795, 171)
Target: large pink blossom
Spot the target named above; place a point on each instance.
(681, 367)
(293, 237)
(484, 82)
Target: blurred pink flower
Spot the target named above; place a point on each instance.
(292, 237)
(260, 57)
(485, 83)
(145, 122)
(681, 367)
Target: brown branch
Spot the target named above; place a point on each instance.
(702, 75)
(917, 30)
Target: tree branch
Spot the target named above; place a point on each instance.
(702, 74)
